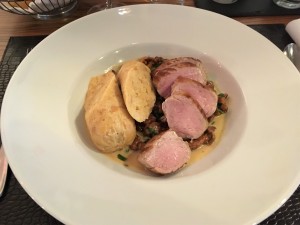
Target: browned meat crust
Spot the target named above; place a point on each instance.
(205, 139)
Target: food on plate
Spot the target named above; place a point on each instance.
(110, 126)
(165, 153)
(185, 116)
(160, 119)
(137, 89)
(165, 74)
(207, 138)
(205, 96)
(222, 104)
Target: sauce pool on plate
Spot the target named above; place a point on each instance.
(128, 157)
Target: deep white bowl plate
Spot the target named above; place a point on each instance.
(252, 172)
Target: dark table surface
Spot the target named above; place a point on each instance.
(246, 8)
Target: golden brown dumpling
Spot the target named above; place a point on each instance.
(110, 126)
(137, 89)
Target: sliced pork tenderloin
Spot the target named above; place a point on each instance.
(184, 116)
(165, 153)
(167, 63)
(164, 75)
(205, 96)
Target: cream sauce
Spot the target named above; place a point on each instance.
(204, 150)
(132, 163)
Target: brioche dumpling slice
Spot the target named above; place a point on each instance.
(110, 126)
(137, 89)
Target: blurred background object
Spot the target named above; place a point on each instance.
(225, 1)
(41, 9)
(107, 4)
(288, 4)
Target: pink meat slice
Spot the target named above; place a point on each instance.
(165, 153)
(184, 116)
(164, 75)
(205, 96)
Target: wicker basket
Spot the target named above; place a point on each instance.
(41, 9)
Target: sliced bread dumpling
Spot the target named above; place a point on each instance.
(110, 126)
(137, 89)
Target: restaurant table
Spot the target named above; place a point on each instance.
(18, 25)
(24, 32)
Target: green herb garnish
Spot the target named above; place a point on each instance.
(222, 95)
(121, 157)
(152, 131)
(220, 111)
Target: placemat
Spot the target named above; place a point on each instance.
(17, 208)
(246, 8)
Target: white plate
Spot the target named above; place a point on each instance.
(250, 174)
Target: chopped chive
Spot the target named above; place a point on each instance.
(127, 150)
(152, 131)
(222, 95)
(122, 157)
(220, 111)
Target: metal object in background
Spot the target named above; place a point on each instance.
(292, 51)
(41, 9)
(288, 4)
